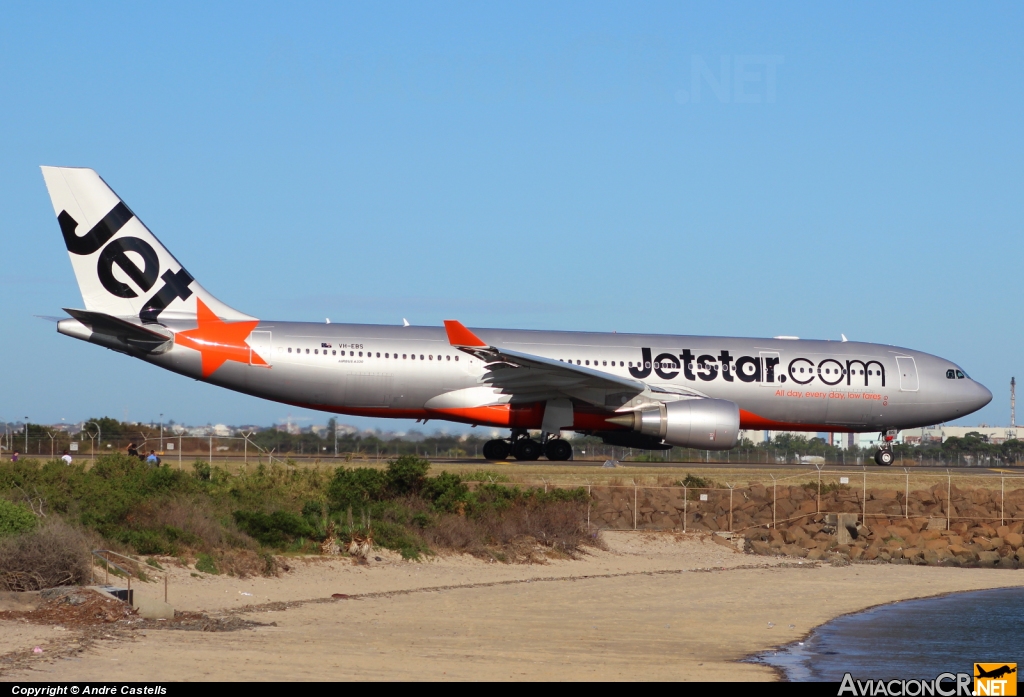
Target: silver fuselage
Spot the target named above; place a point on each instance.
(404, 372)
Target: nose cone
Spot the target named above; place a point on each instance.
(978, 396)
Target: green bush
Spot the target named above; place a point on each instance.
(206, 564)
(407, 475)
(15, 519)
(356, 488)
(446, 491)
(276, 529)
(694, 482)
(201, 470)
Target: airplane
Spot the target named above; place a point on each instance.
(645, 391)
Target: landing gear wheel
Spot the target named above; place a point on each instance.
(884, 457)
(496, 449)
(526, 449)
(558, 450)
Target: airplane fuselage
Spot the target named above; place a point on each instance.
(406, 372)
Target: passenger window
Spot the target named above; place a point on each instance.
(378, 354)
(621, 364)
(421, 356)
(290, 350)
(950, 375)
(456, 358)
(447, 358)
(959, 375)
(316, 351)
(307, 351)
(588, 362)
(360, 354)
(431, 356)
(605, 362)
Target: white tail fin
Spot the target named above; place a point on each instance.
(121, 267)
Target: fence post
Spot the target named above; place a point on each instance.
(818, 467)
(634, 504)
(211, 451)
(949, 495)
(774, 490)
(864, 499)
(906, 495)
(1002, 497)
(686, 496)
(730, 506)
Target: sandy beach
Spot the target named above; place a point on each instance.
(650, 607)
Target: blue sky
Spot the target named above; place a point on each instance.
(733, 169)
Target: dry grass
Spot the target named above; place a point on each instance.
(512, 534)
(55, 554)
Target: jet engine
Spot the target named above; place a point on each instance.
(705, 424)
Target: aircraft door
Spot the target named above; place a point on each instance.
(908, 373)
(261, 346)
(770, 371)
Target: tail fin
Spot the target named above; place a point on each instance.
(121, 267)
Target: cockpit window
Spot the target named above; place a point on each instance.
(950, 374)
(960, 375)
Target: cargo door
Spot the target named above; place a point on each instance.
(369, 389)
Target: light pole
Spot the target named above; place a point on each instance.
(26, 436)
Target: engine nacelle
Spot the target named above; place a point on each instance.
(705, 424)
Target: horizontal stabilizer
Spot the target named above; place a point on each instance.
(134, 335)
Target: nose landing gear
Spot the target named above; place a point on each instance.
(885, 456)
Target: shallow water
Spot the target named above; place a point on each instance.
(911, 639)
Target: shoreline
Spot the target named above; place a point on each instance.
(653, 606)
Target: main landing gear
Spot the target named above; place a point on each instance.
(885, 456)
(524, 448)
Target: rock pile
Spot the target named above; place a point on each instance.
(984, 529)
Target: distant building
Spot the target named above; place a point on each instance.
(940, 433)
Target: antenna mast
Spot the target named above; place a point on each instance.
(1013, 402)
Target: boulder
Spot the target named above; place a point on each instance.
(1007, 563)
(1014, 539)
(988, 558)
(940, 543)
(816, 554)
(794, 551)
(763, 548)
(984, 543)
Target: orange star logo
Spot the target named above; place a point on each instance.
(219, 341)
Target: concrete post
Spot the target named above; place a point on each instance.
(686, 497)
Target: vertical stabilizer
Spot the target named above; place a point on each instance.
(121, 267)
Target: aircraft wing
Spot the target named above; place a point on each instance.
(530, 378)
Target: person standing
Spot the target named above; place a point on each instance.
(66, 457)
(14, 457)
(132, 450)
(152, 460)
